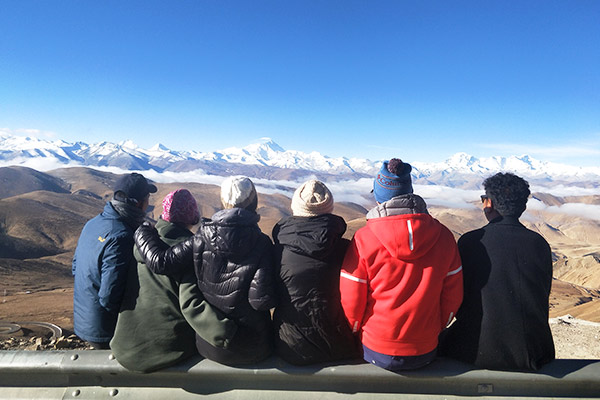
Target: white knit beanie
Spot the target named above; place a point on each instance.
(311, 199)
(238, 192)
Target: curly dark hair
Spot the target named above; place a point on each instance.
(508, 192)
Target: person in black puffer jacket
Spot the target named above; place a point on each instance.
(235, 270)
(310, 325)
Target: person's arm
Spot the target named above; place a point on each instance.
(208, 322)
(74, 262)
(452, 291)
(116, 260)
(262, 295)
(158, 256)
(354, 287)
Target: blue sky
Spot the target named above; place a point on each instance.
(420, 80)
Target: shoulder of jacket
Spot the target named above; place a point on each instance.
(470, 235)
(365, 241)
(445, 231)
(536, 236)
(263, 237)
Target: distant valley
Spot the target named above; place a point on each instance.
(42, 213)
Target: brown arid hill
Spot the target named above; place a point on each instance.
(88, 181)
(575, 244)
(578, 301)
(43, 223)
(19, 180)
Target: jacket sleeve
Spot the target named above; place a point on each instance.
(117, 257)
(208, 322)
(262, 295)
(354, 286)
(74, 263)
(452, 291)
(158, 256)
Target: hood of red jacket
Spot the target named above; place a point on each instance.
(406, 236)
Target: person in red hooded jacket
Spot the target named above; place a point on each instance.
(401, 279)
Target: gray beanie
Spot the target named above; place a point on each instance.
(238, 192)
(312, 198)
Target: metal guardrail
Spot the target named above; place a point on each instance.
(97, 375)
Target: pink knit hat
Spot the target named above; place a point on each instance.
(180, 206)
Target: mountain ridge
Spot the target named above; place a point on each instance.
(460, 170)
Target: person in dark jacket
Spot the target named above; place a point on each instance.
(503, 321)
(102, 258)
(310, 326)
(160, 315)
(234, 267)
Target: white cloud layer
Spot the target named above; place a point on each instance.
(39, 164)
(562, 190)
(357, 191)
(588, 211)
(448, 197)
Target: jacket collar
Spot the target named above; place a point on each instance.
(234, 216)
(399, 205)
(170, 230)
(505, 220)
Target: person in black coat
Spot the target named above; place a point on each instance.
(235, 269)
(310, 326)
(507, 269)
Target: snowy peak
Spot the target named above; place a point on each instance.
(159, 147)
(267, 145)
(461, 160)
(263, 152)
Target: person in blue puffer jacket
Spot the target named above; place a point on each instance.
(102, 258)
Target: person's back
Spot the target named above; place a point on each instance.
(234, 267)
(233, 255)
(309, 321)
(401, 279)
(507, 269)
(102, 258)
(160, 315)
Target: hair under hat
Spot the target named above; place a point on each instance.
(180, 206)
(393, 179)
(312, 198)
(239, 192)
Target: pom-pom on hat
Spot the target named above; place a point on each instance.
(312, 198)
(393, 179)
(239, 192)
(180, 206)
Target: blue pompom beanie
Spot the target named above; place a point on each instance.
(393, 179)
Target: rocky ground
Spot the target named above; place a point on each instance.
(36, 343)
(573, 338)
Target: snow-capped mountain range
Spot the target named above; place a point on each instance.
(460, 170)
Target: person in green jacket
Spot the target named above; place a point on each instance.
(160, 315)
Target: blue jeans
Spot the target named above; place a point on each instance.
(397, 363)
